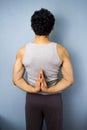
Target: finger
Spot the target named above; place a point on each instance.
(42, 84)
(39, 82)
(40, 73)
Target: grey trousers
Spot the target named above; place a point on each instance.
(39, 107)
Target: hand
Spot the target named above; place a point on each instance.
(38, 84)
(41, 83)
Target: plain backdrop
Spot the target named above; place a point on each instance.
(70, 30)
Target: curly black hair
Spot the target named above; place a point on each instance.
(42, 22)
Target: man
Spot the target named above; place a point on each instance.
(42, 60)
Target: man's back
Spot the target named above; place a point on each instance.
(45, 57)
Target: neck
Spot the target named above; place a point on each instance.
(41, 39)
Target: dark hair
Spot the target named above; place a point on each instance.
(42, 22)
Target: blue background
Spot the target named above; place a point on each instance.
(70, 30)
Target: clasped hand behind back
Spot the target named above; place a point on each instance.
(41, 84)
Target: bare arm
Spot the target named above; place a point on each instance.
(18, 73)
(67, 73)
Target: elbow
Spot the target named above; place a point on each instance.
(71, 82)
(14, 81)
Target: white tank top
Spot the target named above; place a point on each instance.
(45, 57)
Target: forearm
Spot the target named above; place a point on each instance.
(60, 86)
(22, 84)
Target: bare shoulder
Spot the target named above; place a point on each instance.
(62, 51)
(20, 52)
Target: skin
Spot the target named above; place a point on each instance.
(66, 69)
